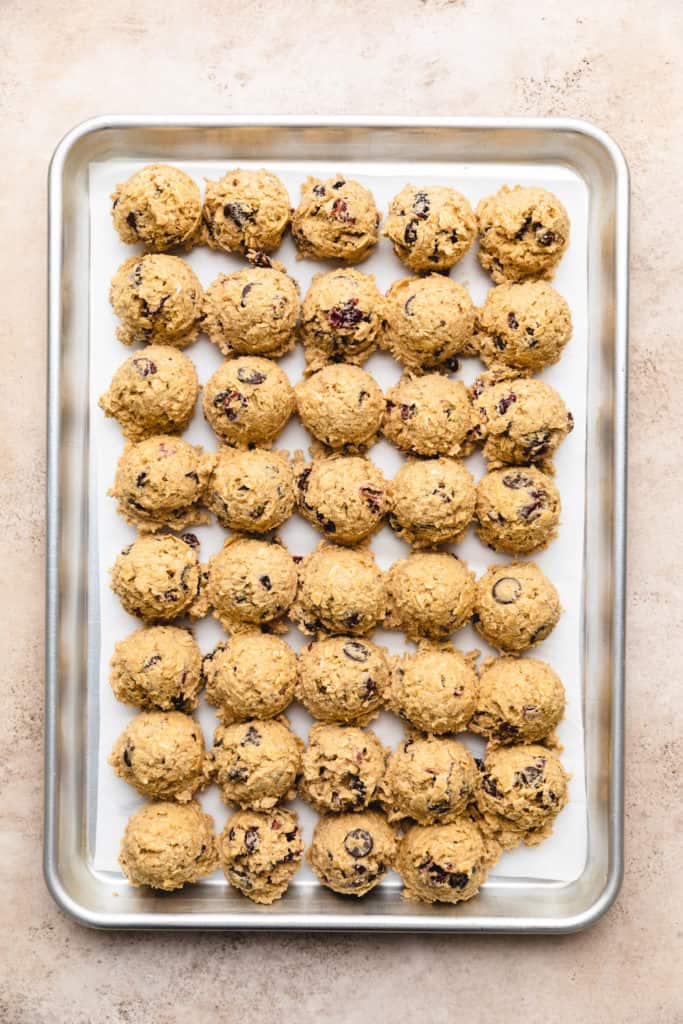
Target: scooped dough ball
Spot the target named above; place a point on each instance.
(157, 578)
(523, 233)
(517, 510)
(245, 210)
(521, 700)
(431, 594)
(161, 754)
(260, 852)
(340, 590)
(159, 483)
(252, 312)
(516, 606)
(168, 845)
(159, 206)
(429, 415)
(251, 675)
(431, 227)
(351, 853)
(255, 763)
(521, 421)
(341, 405)
(345, 497)
(342, 767)
(434, 689)
(157, 667)
(343, 679)
(432, 501)
(251, 491)
(523, 789)
(429, 321)
(443, 863)
(430, 779)
(158, 299)
(250, 582)
(341, 317)
(154, 393)
(248, 401)
(523, 326)
(335, 220)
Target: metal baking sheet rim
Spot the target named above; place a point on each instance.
(55, 865)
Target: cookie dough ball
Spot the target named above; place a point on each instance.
(351, 853)
(342, 767)
(341, 405)
(429, 779)
(252, 312)
(341, 318)
(167, 845)
(431, 228)
(343, 679)
(255, 763)
(432, 501)
(434, 689)
(523, 789)
(157, 578)
(161, 754)
(345, 497)
(340, 590)
(248, 401)
(523, 326)
(159, 483)
(157, 667)
(154, 393)
(245, 210)
(443, 863)
(521, 700)
(260, 852)
(429, 322)
(518, 510)
(158, 299)
(516, 606)
(429, 415)
(521, 421)
(335, 220)
(251, 491)
(250, 582)
(430, 594)
(251, 675)
(159, 207)
(523, 233)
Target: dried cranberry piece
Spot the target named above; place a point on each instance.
(513, 322)
(499, 343)
(318, 190)
(339, 184)
(228, 400)
(353, 619)
(132, 222)
(488, 784)
(358, 843)
(505, 403)
(145, 367)
(246, 376)
(408, 305)
(340, 211)
(238, 213)
(373, 498)
(178, 701)
(245, 291)
(523, 230)
(152, 660)
(346, 315)
(458, 879)
(515, 481)
(265, 582)
(421, 205)
(260, 259)
(410, 233)
(190, 539)
(252, 737)
(251, 839)
(408, 411)
(291, 836)
(238, 773)
(141, 479)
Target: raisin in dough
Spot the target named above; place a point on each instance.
(343, 679)
(430, 594)
(516, 606)
(341, 590)
(160, 207)
(518, 510)
(154, 393)
(522, 326)
(252, 312)
(255, 763)
(341, 405)
(251, 675)
(157, 577)
(250, 582)
(342, 767)
(523, 233)
(432, 501)
(429, 415)
(521, 700)
(444, 863)
(248, 401)
(260, 852)
(351, 853)
(341, 318)
(245, 210)
(251, 491)
(161, 754)
(431, 227)
(335, 220)
(345, 497)
(167, 845)
(430, 779)
(434, 689)
(157, 667)
(429, 322)
(158, 300)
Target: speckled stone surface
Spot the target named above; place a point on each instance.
(616, 63)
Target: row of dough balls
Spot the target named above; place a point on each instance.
(425, 322)
(523, 232)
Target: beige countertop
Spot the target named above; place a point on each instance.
(615, 63)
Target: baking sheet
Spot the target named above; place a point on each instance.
(563, 856)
